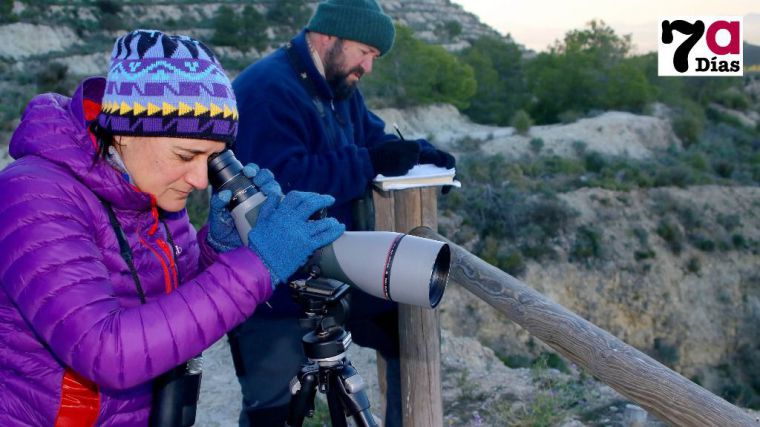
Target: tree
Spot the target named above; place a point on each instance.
(244, 31)
(590, 69)
(417, 73)
(291, 13)
(253, 29)
(501, 90)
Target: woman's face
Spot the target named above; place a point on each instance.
(168, 168)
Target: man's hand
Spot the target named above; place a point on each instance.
(437, 157)
(394, 158)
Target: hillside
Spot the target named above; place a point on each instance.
(751, 54)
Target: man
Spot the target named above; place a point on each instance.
(303, 117)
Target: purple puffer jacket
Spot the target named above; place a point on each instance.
(68, 300)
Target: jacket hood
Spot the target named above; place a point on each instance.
(55, 128)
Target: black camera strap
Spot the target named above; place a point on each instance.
(125, 250)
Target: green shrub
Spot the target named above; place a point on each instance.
(733, 99)
(522, 122)
(677, 175)
(242, 31)
(6, 11)
(640, 255)
(665, 352)
(579, 148)
(448, 30)
(52, 78)
(702, 242)
(738, 241)
(469, 144)
(689, 123)
(292, 14)
(587, 245)
(569, 116)
(672, 235)
(515, 361)
(536, 144)
(723, 168)
(594, 161)
(513, 263)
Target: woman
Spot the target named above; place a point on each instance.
(105, 285)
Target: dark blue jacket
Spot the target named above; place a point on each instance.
(310, 143)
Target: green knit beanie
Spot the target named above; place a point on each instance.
(359, 20)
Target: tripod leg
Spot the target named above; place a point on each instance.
(348, 387)
(337, 415)
(302, 399)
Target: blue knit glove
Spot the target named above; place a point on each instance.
(223, 235)
(264, 181)
(284, 237)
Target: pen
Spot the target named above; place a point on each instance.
(398, 131)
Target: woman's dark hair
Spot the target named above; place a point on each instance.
(104, 139)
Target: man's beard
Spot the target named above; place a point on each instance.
(336, 78)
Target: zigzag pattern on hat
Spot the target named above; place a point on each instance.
(195, 127)
(164, 68)
(168, 110)
(173, 88)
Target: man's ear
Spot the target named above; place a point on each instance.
(322, 41)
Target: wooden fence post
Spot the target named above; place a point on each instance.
(419, 328)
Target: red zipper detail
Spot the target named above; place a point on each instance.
(170, 256)
(167, 278)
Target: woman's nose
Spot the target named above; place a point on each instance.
(198, 175)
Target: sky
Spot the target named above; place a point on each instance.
(536, 24)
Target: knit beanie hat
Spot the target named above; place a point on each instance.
(359, 20)
(164, 85)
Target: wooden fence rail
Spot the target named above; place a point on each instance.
(673, 398)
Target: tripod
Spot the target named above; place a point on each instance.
(327, 368)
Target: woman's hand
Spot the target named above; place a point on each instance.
(223, 235)
(284, 237)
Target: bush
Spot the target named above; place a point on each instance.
(723, 168)
(522, 122)
(6, 11)
(513, 263)
(448, 30)
(242, 31)
(52, 77)
(587, 245)
(594, 162)
(738, 241)
(689, 123)
(672, 235)
(536, 144)
(293, 14)
(665, 352)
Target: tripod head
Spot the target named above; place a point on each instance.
(326, 307)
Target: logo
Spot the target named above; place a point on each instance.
(700, 46)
